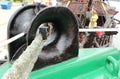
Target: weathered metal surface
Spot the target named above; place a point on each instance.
(103, 8)
(82, 6)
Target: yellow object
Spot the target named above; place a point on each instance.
(93, 19)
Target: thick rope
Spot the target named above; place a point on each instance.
(24, 64)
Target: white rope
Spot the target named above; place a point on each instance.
(101, 29)
(12, 39)
(25, 63)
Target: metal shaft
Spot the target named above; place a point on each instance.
(12, 39)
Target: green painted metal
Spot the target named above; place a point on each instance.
(95, 63)
(90, 64)
(4, 68)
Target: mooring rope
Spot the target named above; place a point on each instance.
(24, 64)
